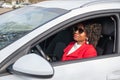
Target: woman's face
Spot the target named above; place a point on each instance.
(80, 34)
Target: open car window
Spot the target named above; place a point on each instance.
(103, 39)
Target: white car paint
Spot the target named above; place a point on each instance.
(63, 4)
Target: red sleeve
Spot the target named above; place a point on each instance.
(90, 52)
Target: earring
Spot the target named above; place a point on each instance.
(87, 40)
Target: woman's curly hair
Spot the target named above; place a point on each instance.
(93, 31)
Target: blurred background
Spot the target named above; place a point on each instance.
(21, 1)
(7, 5)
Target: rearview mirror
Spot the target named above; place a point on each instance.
(33, 65)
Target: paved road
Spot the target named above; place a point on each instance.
(2, 10)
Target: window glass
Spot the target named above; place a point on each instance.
(17, 23)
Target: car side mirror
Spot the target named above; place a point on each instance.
(32, 65)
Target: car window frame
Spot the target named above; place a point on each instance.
(88, 17)
(98, 57)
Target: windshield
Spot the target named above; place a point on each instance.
(17, 23)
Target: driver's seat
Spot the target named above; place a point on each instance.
(106, 41)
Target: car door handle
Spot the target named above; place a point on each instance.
(115, 75)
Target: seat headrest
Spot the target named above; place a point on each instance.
(108, 27)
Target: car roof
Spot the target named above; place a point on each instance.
(72, 4)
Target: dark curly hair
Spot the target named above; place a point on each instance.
(93, 31)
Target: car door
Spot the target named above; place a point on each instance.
(106, 68)
(103, 67)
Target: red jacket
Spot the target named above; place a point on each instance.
(85, 51)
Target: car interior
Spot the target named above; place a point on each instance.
(103, 35)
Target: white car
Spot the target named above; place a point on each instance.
(7, 5)
(29, 33)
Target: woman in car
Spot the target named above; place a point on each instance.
(80, 47)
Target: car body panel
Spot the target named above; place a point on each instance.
(69, 4)
(93, 69)
(64, 4)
